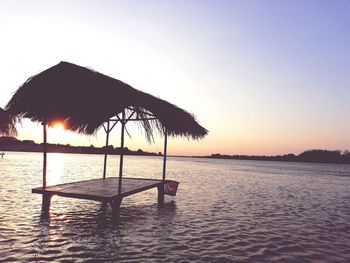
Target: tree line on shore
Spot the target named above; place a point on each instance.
(310, 156)
(12, 144)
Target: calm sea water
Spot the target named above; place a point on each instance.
(224, 211)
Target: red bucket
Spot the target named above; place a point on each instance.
(170, 187)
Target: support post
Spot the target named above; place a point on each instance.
(46, 201)
(115, 205)
(105, 160)
(44, 154)
(121, 153)
(161, 195)
(45, 206)
(165, 153)
(161, 187)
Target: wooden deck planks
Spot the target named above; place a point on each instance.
(100, 189)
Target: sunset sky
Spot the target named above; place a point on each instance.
(264, 77)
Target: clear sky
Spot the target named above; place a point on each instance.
(264, 77)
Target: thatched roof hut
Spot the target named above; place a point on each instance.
(84, 99)
(7, 126)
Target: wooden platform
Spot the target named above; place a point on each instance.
(100, 189)
(104, 190)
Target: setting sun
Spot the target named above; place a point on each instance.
(58, 126)
(58, 131)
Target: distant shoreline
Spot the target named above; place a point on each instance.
(246, 158)
(310, 156)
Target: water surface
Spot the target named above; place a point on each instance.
(225, 211)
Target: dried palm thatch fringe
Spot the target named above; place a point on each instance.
(84, 99)
(7, 123)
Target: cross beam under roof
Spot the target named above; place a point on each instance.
(123, 120)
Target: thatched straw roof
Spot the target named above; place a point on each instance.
(7, 126)
(84, 99)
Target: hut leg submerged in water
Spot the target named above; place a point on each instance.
(160, 195)
(46, 201)
(115, 205)
(45, 205)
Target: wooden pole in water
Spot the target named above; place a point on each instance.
(121, 153)
(165, 153)
(161, 187)
(105, 161)
(44, 154)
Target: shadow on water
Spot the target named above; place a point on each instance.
(103, 216)
(93, 233)
(136, 214)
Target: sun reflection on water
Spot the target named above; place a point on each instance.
(55, 168)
